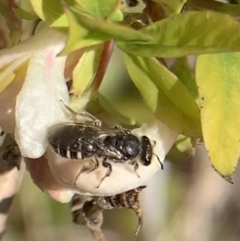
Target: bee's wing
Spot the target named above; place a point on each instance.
(105, 131)
(71, 126)
(101, 131)
(54, 128)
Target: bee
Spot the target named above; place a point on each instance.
(75, 140)
(89, 210)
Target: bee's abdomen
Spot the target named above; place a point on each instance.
(65, 141)
(66, 152)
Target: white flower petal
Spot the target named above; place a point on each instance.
(8, 55)
(38, 104)
(45, 36)
(122, 177)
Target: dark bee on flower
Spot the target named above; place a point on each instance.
(82, 141)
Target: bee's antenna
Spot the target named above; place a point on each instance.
(159, 160)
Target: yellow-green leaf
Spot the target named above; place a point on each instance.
(173, 6)
(188, 33)
(231, 9)
(108, 107)
(52, 12)
(165, 95)
(22, 13)
(218, 78)
(181, 151)
(185, 73)
(86, 68)
(102, 9)
(85, 31)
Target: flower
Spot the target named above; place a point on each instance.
(38, 102)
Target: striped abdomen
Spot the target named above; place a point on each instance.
(72, 141)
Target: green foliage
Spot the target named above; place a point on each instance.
(170, 92)
(92, 31)
(182, 69)
(173, 6)
(231, 9)
(188, 33)
(165, 94)
(86, 68)
(219, 91)
(108, 9)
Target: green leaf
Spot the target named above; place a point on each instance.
(25, 10)
(78, 36)
(85, 31)
(25, 14)
(231, 9)
(102, 9)
(86, 68)
(183, 71)
(108, 107)
(218, 78)
(173, 6)
(181, 151)
(165, 95)
(188, 33)
(52, 12)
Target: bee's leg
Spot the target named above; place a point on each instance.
(105, 202)
(95, 163)
(80, 116)
(129, 199)
(132, 198)
(135, 206)
(138, 212)
(86, 169)
(108, 173)
(135, 165)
